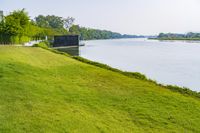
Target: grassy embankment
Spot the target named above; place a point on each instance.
(41, 91)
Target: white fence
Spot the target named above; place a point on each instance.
(31, 43)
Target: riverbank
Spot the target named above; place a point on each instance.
(169, 62)
(175, 39)
(44, 91)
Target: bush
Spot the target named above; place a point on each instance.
(183, 90)
(136, 75)
(24, 39)
(42, 44)
(14, 40)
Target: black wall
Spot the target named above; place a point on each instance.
(68, 40)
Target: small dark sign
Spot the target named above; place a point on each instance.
(67, 40)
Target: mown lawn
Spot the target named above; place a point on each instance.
(44, 92)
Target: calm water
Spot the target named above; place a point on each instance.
(175, 62)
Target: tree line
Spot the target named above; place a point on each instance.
(18, 28)
(174, 36)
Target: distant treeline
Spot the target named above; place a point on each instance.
(18, 28)
(90, 34)
(174, 36)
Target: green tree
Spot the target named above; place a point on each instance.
(41, 21)
(74, 29)
(14, 27)
(68, 22)
(16, 22)
(52, 21)
(55, 21)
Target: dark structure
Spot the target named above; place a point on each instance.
(66, 40)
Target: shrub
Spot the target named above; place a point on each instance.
(14, 40)
(183, 90)
(42, 44)
(24, 39)
(136, 75)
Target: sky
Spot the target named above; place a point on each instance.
(141, 17)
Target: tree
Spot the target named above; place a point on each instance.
(161, 35)
(68, 22)
(52, 21)
(55, 21)
(74, 29)
(16, 23)
(14, 27)
(41, 21)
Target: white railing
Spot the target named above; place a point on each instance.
(31, 43)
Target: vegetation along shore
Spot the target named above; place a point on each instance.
(173, 36)
(44, 90)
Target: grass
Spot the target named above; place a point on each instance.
(45, 92)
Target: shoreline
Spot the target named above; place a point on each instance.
(136, 75)
(175, 39)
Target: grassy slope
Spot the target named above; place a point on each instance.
(41, 91)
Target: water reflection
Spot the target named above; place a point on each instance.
(74, 51)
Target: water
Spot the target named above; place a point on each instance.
(70, 50)
(167, 62)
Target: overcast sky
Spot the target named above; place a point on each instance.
(146, 17)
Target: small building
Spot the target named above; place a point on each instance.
(66, 40)
(1, 16)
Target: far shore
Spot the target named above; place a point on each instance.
(175, 39)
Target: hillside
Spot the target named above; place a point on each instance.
(43, 92)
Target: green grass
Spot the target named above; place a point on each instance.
(45, 92)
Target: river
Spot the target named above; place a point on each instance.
(167, 62)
